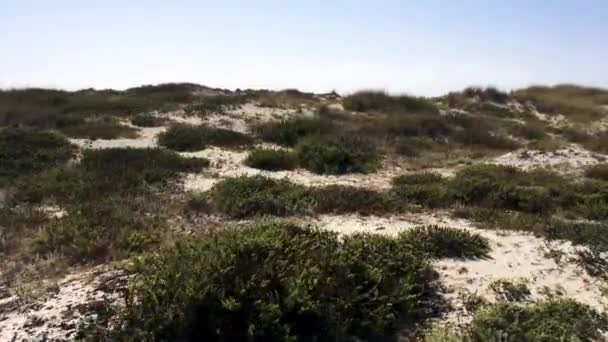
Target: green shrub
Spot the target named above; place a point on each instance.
(426, 189)
(340, 199)
(442, 242)
(57, 109)
(576, 103)
(324, 155)
(108, 227)
(487, 94)
(132, 166)
(215, 104)
(107, 171)
(509, 188)
(25, 151)
(182, 137)
(366, 101)
(147, 120)
(104, 128)
(271, 160)
(599, 171)
(555, 320)
(413, 147)
(529, 131)
(511, 290)
(255, 196)
(277, 282)
(289, 132)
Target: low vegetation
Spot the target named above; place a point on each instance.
(555, 320)
(99, 128)
(369, 101)
(576, 103)
(147, 120)
(511, 290)
(271, 160)
(112, 199)
(26, 151)
(443, 242)
(48, 108)
(278, 282)
(183, 137)
(325, 155)
(289, 132)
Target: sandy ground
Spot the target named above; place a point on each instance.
(513, 255)
(572, 159)
(225, 163)
(57, 316)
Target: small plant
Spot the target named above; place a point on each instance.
(271, 160)
(26, 151)
(511, 290)
(324, 155)
(182, 137)
(442, 242)
(472, 302)
(553, 320)
(147, 120)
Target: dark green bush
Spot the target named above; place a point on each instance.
(255, 196)
(102, 128)
(277, 282)
(426, 189)
(325, 155)
(442, 242)
(366, 101)
(509, 188)
(412, 147)
(216, 104)
(132, 166)
(599, 171)
(487, 94)
(108, 227)
(555, 320)
(25, 151)
(289, 132)
(107, 171)
(271, 160)
(340, 199)
(182, 137)
(147, 120)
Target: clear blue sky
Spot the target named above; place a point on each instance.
(420, 47)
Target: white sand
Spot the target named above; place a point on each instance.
(568, 160)
(56, 316)
(513, 255)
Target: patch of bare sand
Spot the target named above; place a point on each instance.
(225, 163)
(572, 159)
(513, 255)
(146, 138)
(56, 316)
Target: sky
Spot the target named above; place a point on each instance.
(417, 47)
